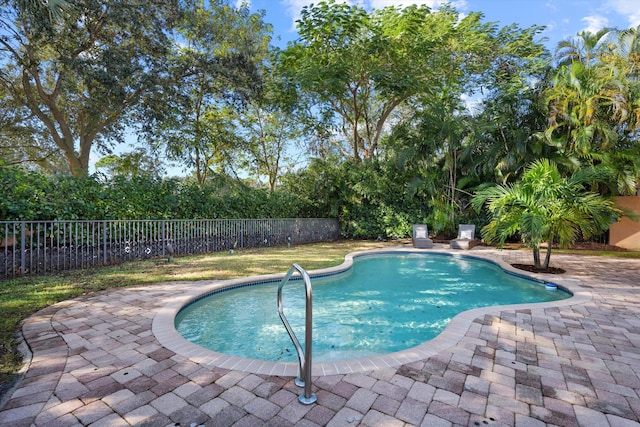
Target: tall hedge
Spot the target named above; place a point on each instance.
(33, 196)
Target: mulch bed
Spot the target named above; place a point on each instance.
(532, 269)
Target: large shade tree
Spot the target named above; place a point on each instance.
(546, 207)
(361, 67)
(24, 142)
(270, 138)
(215, 61)
(270, 128)
(82, 74)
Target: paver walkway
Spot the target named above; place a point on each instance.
(96, 362)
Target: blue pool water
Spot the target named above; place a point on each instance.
(384, 303)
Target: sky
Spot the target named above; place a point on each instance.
(562, 18)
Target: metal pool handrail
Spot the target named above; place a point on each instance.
(304, 377)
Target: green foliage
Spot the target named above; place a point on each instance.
(388, 88)
(368, 198)
(81, 75)
(22, 140)
(503, 136)
(270, 129)
(34, 196)
(594, 105)
(137, 162)
(216, 69)
(24, 194)
(546, 207)
(360, 67)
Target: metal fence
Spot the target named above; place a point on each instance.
(36, 247)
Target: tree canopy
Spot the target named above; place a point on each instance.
(594, 104)
(360, 67)
(81, 77)
(216, 66)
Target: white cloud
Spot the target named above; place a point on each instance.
(594, 23)
(551, 5)
(293, 8)
(626, 8)
(552, 25)
(471, 103)
(239, 3)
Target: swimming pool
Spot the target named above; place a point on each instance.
(385, 303)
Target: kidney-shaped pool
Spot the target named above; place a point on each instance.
(384, 303)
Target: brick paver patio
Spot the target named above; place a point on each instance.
(97, 362)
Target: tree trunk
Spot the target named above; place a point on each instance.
(453, 183)
(536, 257)
(548, 255)
(200, 174)
(356, 120)
(77, 166)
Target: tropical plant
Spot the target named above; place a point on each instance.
(593, 105)
(370, 199)
(546, 207)
(502, 140)
(48, 11)
(445, 145)
(586, 47)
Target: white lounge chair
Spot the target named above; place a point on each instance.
(421, 237)
(466, 237)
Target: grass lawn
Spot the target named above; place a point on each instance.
(19, 298)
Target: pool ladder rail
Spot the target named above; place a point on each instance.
(304, 357)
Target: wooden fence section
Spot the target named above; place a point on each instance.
(37, 247)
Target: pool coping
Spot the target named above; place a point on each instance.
(164, 330)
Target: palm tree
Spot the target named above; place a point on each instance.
(594, 104)
(594, 115)
(545, 207)
(50, 11)
(586, 47)
(628, 47)
(580, 105)
(624, 61)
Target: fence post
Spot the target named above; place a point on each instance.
(104, 242)
(23, 245)
(164, 241)
(208, 235)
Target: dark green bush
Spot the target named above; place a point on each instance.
(368, 199)
(33, 196)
